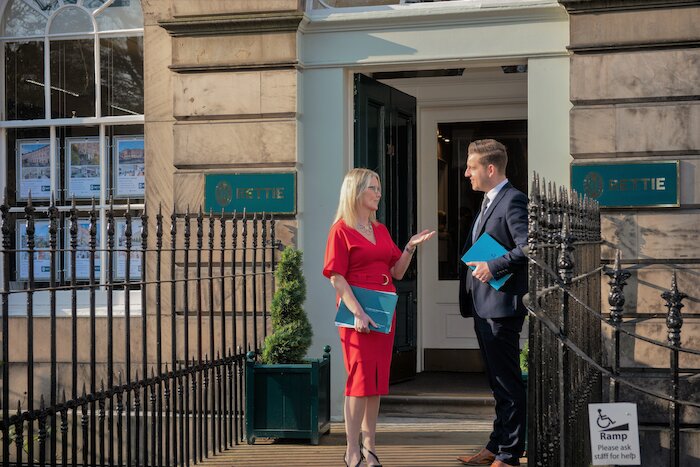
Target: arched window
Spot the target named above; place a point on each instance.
(71, 122)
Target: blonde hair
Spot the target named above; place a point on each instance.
(354, 184)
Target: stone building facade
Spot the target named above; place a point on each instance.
(635, 82)
(267, 86)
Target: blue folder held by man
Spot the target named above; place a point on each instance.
(378, 305)
(484, 249)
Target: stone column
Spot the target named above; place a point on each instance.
(221, 96)
(234, 76)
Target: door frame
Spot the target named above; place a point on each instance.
(438, 305)
(428, 116)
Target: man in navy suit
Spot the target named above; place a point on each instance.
(498, 314)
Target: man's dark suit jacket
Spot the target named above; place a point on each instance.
(506, 221)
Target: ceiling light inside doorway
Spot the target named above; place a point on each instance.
(514, 69)
(418, 73)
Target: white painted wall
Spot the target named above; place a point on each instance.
(324, 159)
(548, 118)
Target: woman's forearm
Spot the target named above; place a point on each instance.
(402, 264)
(344, 291)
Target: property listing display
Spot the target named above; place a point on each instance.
(120, 256)
(83, 167)
(129, 167)
(82, 254)
(34, 169)
(42, 255)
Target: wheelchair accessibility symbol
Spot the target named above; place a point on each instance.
(603, 420)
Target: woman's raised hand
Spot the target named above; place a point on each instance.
(420, 237)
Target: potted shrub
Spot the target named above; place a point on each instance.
(288, 396)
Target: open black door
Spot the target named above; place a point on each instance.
(385, 141)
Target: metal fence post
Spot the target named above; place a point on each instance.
(616, 299)
(566, 270)
(5, 228)
(674, 321)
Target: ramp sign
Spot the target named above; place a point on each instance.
(614, 434)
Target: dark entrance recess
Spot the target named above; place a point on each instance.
(457, 203)
(385, 141)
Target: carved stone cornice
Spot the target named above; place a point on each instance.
(598, 6)
(232, 24)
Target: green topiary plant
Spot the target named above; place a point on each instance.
(523, 357)
(291, 336)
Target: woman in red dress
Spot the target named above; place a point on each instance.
(360, 252)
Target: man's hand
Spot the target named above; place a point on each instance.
(481, 271)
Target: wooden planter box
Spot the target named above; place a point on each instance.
(288, 400)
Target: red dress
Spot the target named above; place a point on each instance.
(367, 356)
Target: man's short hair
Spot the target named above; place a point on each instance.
(490, 152)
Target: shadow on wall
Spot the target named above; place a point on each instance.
(648, 365)
(365, 46)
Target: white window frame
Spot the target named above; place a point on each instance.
(41, 299)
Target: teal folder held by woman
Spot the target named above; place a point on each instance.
(378, 305)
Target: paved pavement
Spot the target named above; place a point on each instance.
(427, 421)
(401, 442)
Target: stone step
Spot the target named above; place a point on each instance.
(441, 406)
(441, 394)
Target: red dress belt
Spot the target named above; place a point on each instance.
(380, 279)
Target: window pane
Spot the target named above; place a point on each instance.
(46, 5)
(122, 14)
(72, 78)
(122, 76)
(24, 80)
(95, 4)
(71, 20)
(21, 20)
(458, 204)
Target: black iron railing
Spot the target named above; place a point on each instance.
(91, 372)
(575, 350)
(564, 252)
(666, 392)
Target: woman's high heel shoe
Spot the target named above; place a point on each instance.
(370, 453)
(378, 462)
(359, 463)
